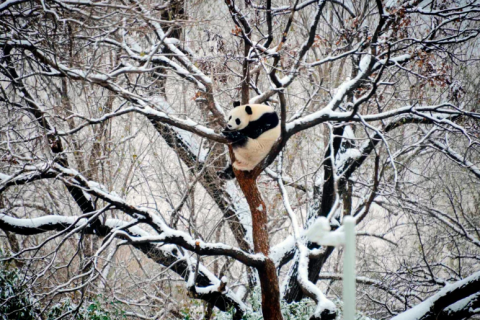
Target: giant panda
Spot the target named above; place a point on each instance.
(252, 130)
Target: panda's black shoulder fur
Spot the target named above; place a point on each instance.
(266, 122)
(253, 130)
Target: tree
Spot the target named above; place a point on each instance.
(111, 138)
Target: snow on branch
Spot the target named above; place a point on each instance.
(145, 106)
(337, 57)
(171, 46)
(215, 292)
(217, 111)
(306, 46)
(328, 112)
(10, 3)
(368, 146)
(371, 282)
(282, 251)
(456, 157)
(200, 247)
(433, 307)
(24, 176)
(166, 234)
(434, 113)
(325, 307)
(39, 225)
(462, 309)
(149, 110)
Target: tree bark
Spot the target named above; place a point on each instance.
(267, 273)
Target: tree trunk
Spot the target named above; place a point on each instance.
(294, 292)
(267, 273)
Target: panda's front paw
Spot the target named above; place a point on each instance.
(232, 135)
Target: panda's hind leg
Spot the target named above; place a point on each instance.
(227, 173)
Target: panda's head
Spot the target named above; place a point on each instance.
(239, 117)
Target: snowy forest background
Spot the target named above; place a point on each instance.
(110, 205)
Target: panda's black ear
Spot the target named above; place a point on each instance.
(248, 110)
(236, 104)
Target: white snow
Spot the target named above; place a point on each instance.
(4, 177)
(187, 123)
(462, 304)
(348, 133)
(171, 41)
(42, 221)
(422, 308)
(319, 232)
(345, 157)
(398, 59)
(323, 113)
(278, 251)
(319, 228)
(241, 292)
(322, 302)
(135, 230)
(364, 63)
(286, 80)
(97, 185)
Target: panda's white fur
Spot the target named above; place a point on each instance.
(248, 155)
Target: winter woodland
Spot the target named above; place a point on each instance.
(110, 144)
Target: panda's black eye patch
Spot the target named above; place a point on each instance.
(237, 121)
(230, 118)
